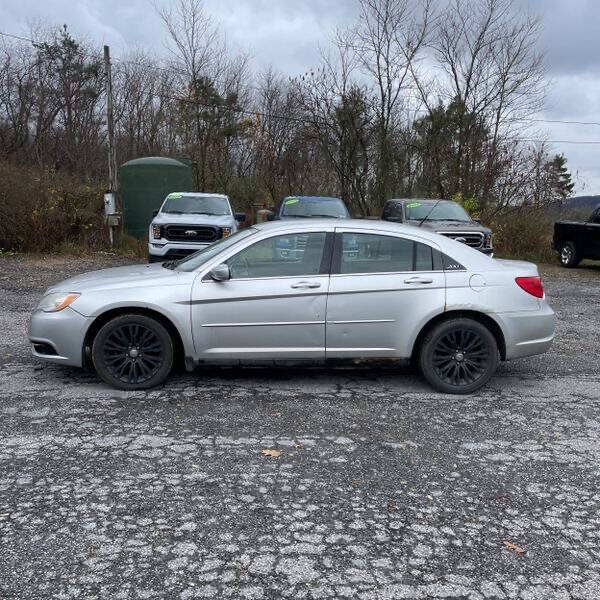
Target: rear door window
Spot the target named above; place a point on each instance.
(373, 253)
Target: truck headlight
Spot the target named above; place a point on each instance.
(156, 232)
(226, 231)
(487, 241)
(57, 301)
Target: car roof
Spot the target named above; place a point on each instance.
(314, 198)
(201, 194)
(423, 200)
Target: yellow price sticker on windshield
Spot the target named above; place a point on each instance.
(413, 205)
(292, 201)
(174, 196)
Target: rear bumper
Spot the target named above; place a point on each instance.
(58, 337)
(528, 333)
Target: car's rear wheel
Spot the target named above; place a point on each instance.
(568, 255)
(459, 356)
(133, 352)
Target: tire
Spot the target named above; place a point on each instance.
(458, 356)
(133, 352)
(569, 257)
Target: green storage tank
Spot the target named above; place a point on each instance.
(145, 183)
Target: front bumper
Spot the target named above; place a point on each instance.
(528, 333)
(166, 251)
(58, 337)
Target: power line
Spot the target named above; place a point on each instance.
(17, 37)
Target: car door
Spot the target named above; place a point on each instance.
(384, 287)
(272, 307)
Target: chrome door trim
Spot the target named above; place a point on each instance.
(266, 297)
(266, 324)
(367, 321)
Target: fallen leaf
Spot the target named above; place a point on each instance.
(514, 548)
(271, 452)
(298, 446)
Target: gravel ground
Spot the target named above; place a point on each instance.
(382, 489)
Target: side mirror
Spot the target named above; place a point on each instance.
(220, 273)
(154, 213)
(240, 217)
(270, 216)
(476, 221)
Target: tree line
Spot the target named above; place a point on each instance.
(414, 99)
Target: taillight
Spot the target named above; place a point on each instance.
(532, 285)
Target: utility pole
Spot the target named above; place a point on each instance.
(110, 199)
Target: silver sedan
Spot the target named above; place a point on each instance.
(305, 291)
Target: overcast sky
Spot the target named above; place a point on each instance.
(287, 33)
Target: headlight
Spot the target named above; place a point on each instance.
(57, 301)
(156, 233)
(226, 231)
(488, 240)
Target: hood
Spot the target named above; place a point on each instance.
(119, 277)
(188, 219)
(451, 226)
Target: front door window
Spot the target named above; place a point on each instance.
(290, 255)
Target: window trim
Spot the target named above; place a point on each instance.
(324, 267)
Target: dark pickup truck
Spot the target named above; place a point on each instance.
(575, 241)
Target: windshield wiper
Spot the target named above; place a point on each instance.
(173, 212)
(206, 213)
(170, 264)
(327, 216)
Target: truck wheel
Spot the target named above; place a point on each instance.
(459, 356)
(133, 352)
(568, 255)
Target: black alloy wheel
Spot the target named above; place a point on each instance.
(459, 356)
(133, 352)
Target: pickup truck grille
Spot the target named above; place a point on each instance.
(473, 239)
(205, 234)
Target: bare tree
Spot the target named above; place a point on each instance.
(388, 38)
(488, 67)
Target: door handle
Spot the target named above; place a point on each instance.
(416, 280)
(306, 285)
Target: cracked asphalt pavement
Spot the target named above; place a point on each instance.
(382, 489)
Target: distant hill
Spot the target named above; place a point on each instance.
(581, 202)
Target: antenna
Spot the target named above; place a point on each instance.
(429, 213)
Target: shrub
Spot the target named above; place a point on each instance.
(42, 211)
(525, 234)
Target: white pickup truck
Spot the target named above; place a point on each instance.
(189, 221)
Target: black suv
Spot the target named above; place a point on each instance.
(445, 217)
(575, 241)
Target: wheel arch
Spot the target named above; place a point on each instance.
(106, 316)
(480, 317)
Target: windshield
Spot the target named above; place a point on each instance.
(444, 211)
(193, 261)
(314, 207)
(188, 204)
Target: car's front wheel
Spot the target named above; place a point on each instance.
(133, 352)
(459, 356)
(568, 255)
